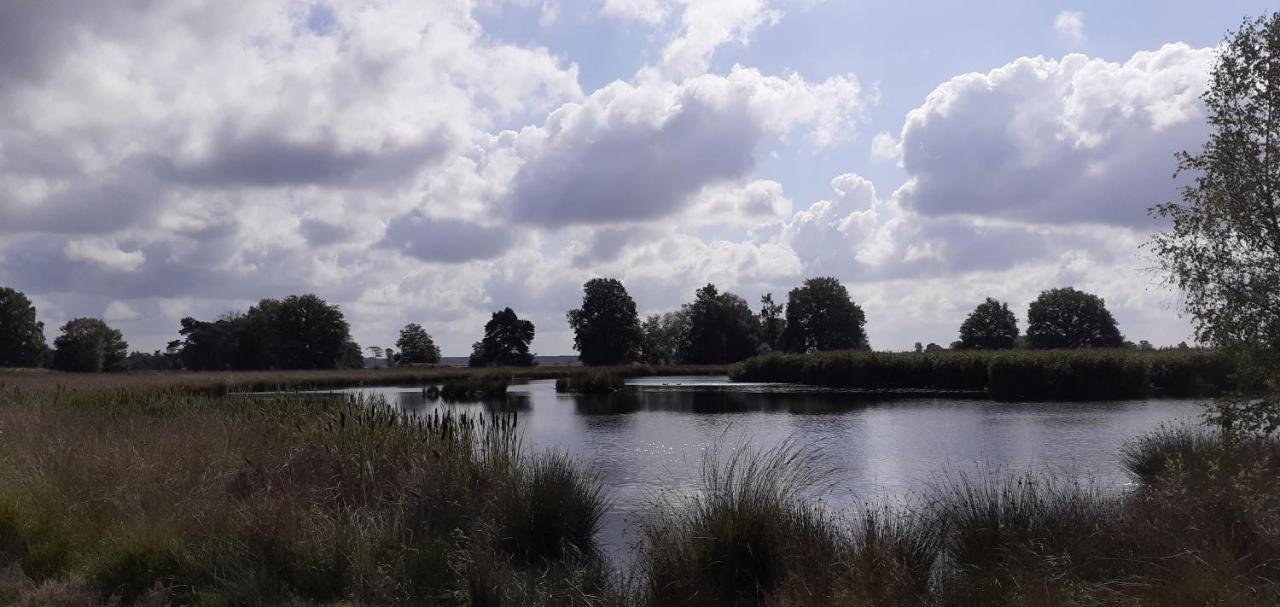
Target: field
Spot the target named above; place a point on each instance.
(1005, 375)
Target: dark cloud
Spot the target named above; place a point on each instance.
(263, 159)
(446, 240)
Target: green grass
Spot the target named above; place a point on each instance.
(1004, 375)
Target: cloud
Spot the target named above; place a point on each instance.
(104, 253)
(634, 152)
(884, 146)
(1070, 26)
(442, 239)
(652, 12)
(118, 310)
(705, 25)
(1074, 140)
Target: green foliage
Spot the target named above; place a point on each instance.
(722, 328)
(88, 345)
(298, 332)
(666, 337)
(1222, 248)
(772, 323)
(1066, 318)
(416, 346)
(1004, 375)
(606, 330)
(990, 326)
(505, 343)
(21, 335)
(821, 316)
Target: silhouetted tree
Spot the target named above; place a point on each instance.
(1222, 248)
(351, 357)
(722, 328)
(505, 343)
(206, 346)
(821, 316)
(990, 326)
(416, 345)
(918, 347)
(21, 335)
(932, 347)
(666, 337)
(606, 330)
(308, 333)
(772, 324)
(298, 332)
(1067, 318)
(88, 345)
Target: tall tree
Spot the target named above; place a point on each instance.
(1068, 318)
(1222, 246)
(772, 324)
(88, 345)
(990, 326)
(722, 328)
(822, 316)
(416, 345)
(309, 333)
(606, 330)
(505, 343)
(21, 335)
(666, 337)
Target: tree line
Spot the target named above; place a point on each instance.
(716, 327)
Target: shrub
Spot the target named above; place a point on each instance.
(591, 383)
(749, 535)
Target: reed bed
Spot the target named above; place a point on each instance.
(600, 382)
(1201, 532)
(1005, 375)
(224, 382)
(162, 497)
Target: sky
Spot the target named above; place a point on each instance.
(433, 161)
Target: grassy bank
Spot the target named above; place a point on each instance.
(1004, 375)
(222, 382)
(1201, 528)
(164, 497)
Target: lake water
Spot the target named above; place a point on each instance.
(651, 437)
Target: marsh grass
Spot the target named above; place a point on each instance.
(130, 496)
(748, 535)
(1203, 528)
(1004, 375)
(223, 382)
(600, 382)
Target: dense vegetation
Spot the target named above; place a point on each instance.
(171, 498)
(1005, 375)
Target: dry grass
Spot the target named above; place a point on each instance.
(130, 496)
